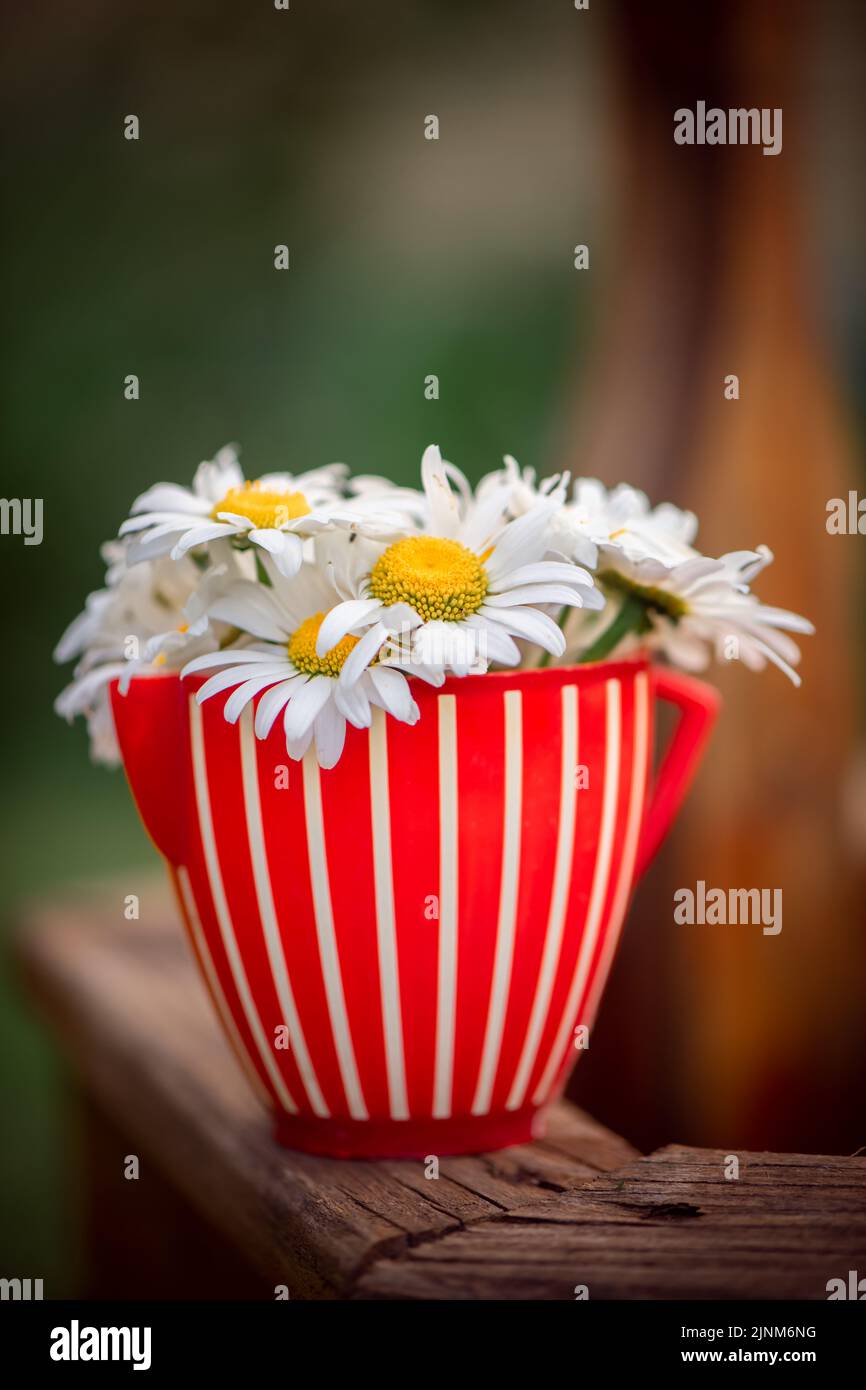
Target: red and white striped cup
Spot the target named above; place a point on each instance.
(403, 949)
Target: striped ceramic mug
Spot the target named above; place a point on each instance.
(402, 949)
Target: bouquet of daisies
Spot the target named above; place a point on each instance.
(326, 595)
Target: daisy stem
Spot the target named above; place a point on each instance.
(630, 618)
(261, 573)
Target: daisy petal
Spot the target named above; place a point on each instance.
(486, 519)
(444, 507)
(156, 522)
(169, 497)
(393, 694)
(361, 655)
(353, 701)
(535, 594)
(247, 655)
(200, 535)
(782, 618)
(297, 747)
(495, 644)
(431, 675)
(777, 660)
(241, 697)
(543, 572)
(251, 608)
(267, 537)
(531, 624)
(271, 705)
(305, 705)
(342, 619)
(215, 477)
(289, 558)
(524, 539)
(236, 675)
(330, 733)
(77, 696)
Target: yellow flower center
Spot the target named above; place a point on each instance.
(439, 578)
(302, 649)
(263, 508)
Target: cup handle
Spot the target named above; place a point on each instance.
(699, 705)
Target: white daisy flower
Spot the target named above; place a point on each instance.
(135, 626)
(598, 526)
(370, 495)
(383, 510)
(284, 667)
(615, 521)
(524, 487)
(698, 607)
(274, 513)
(463, 588)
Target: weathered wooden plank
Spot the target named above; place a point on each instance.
(134, 1019)
(667, 1226)
(574, 1133)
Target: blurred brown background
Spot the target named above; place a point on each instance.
(732, 262)
(455, 257)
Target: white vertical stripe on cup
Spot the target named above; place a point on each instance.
(328, 952)
(598, 892)
(268, 915)
(221, 907)
(558, 900)
(446, 993)
(386, 934)
(634, 820)
(184, 888)
(509, 887)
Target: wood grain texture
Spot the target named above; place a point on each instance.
(579, 1208)
(670, 1226)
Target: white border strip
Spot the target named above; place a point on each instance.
(205, 820)
(508, 895)
(558, 900)
(268, 915)
(386, 934)
(328, 952)
(598, 892)
(446, 994)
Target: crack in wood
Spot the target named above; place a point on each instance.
(668, 1211)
